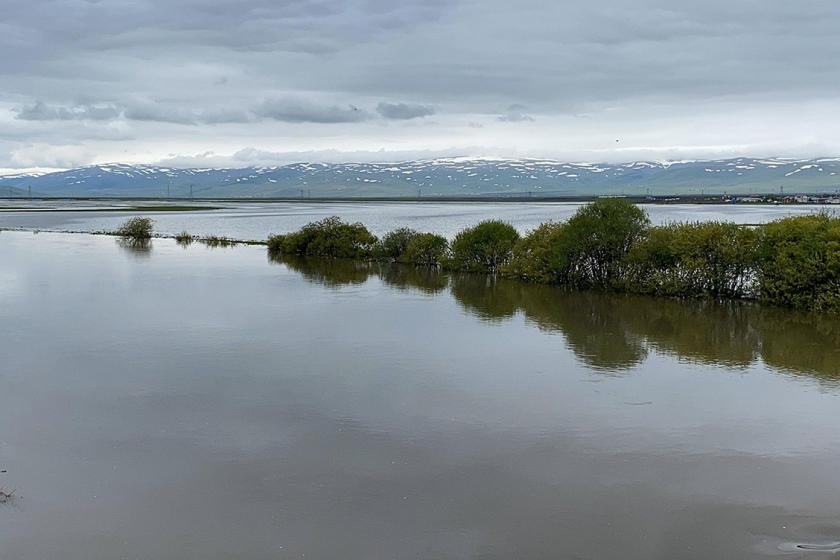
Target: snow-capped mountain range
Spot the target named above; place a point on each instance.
(440, 177)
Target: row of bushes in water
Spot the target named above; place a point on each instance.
(611, 245)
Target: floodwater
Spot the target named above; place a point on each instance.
(173, 403)
(257, 220)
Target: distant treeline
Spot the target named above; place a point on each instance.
(611, 245)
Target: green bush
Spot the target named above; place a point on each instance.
(537, 256)
(393, 245)
(713, 259)
(799, 262)
(483, 248)
(425, 249)
(329, 237)
(136, 228)
(596, 241)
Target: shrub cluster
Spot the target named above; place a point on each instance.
(136, 228)
(610, 245)
(483, 248)
(333, 238)
(329, 237)
(710, 259)
(798, 262)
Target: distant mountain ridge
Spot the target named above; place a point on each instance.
(440, 177)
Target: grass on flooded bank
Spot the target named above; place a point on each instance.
(610, 245)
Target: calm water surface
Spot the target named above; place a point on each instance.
(258, 220)
(175, 403)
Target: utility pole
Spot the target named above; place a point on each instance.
(168, 188)
(30, 192)
(191, 190)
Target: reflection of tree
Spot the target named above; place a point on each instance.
(800, 342)
(704, 331)
(427, 280)
(344, 272)
(614, 331)
(135, 247)
(485, 296)
(592, 323)
(595, 325)
(327, 272)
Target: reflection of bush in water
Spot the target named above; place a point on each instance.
(801, 342)
(591, 322)
(135, 246)
(344, 272)
(487, 297)
(427, 280)
(704, 331)
(327, 272)
(595, 325)
(614, 331)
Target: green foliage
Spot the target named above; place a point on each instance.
(483, 248)
(609, 244)
(799, 262)
(537, 256)
(393, 245)
(136, 228)
(425, 249)
(596, 241)
(329, 237)
(701, 259)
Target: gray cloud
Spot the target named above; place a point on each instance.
(176, 114)
(292, 110)
(40, 111)
(766, 73)
(403, 111)
(515, 113)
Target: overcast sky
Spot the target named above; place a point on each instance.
(240, 82)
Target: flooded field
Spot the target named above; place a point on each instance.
(169, 403)
(244, 220)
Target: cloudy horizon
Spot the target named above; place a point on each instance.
(256, 82)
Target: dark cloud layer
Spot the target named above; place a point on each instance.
(404, 111)
(482, 67)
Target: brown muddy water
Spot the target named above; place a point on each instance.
(174, 403)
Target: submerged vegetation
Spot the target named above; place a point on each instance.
(218, 241)
(610, 245)
(136, 228)
(184, 238)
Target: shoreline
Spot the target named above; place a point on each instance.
(735, 199)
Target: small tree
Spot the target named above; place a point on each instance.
(394, 244)
(483, 248)
(597, 239)
(692, 260)
(537, 257)
(136, 228)
(799, 262)
(425, 249)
